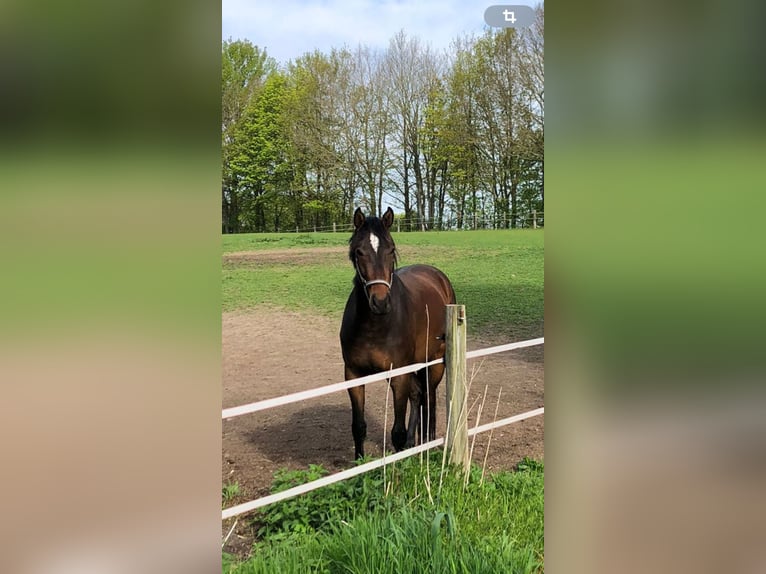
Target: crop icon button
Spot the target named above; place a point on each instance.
(509, 16)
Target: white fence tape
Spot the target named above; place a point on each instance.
(326, 390)
(333, 478)
(503, 348)
(506, 421)
(362, 468)
(335, 387)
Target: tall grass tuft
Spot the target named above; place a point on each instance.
(354, 527)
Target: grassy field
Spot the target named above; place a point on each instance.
(430, 521)
(497, 274)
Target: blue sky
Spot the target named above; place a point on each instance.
(289, 28)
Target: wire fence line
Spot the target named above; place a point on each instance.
(385, 459)
(469, 223)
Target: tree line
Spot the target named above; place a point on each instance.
(450, 139)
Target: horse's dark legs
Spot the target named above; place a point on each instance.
(401, 388)
(426, 407)
(358, 424)
(423, 424)
(416, 406)
(414, 423)
(435, 374)
(430, 415)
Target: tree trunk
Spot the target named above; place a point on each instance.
(406, 181)
(442, 193)
(419, 191)
(224, 211)
(431, 198)
(260, 217)
(514, 192)
(233, 219)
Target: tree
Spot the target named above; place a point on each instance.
(410, 71)
(435, 152)
(244, 68)
(314, 124)
(262, 160)
(461, 135)
(368, 127)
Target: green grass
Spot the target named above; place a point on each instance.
(497, 274)
(229, 492)
(428, 522)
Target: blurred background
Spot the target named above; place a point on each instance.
(654, 282)
(110, 291)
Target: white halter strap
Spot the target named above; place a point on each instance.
(374, 281)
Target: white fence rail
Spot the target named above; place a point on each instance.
(327, 389)
(366, 467)
(385, 459)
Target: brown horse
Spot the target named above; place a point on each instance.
(393, 317)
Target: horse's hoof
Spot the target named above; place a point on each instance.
(399, 439)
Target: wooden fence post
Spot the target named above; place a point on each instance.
(534, 219)
(456, 441)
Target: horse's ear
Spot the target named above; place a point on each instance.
(388, 218)
(358, 218)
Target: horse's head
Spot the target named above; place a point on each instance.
(373, 253)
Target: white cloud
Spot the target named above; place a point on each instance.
(289, 28)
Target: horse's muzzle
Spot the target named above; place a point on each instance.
(380, 306)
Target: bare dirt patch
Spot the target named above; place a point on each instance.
(270, 352)
(293, 256)
(317, 255)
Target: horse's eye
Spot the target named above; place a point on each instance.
(358, 253)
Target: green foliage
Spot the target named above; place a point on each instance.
(228, 562)
(340, 501)
(530, 464)
(230, 491)
(495, 525)
(243, 69)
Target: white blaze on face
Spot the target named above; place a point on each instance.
(374, 241)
